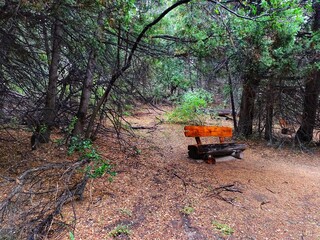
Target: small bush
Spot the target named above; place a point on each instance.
(223, 228)
(98, 166)
(187, 210)
(188, 109)
(120, 230)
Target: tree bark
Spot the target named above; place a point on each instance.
(87, 83)
(234, 115)
(312, 89)
(51, 95)
(310, 106)
(251, 82)
(269, 114)
(85, 95)
(3, 90)
(245, 124)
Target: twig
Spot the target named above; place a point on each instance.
(263, 203)
(183, 181)
(36, 219)
(229, 188)
(271, 191)
(141, 127)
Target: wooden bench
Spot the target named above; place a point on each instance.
(209, 152)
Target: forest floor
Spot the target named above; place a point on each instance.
(160, 193)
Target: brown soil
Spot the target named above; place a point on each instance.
(159, 193)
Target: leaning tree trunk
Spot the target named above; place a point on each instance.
(87, 84)
(85, 96)
(115, 76)
(51, 95)
(245, 124)
(311, 94)
(234, 115)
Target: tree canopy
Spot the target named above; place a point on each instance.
(55, 52)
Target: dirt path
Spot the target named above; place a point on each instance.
(162, 194)
(280, 191)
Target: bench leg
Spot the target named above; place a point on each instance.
(208, 158)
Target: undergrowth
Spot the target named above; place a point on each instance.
(98, 165)
(225, 229)
(188, 110)
(120, 230)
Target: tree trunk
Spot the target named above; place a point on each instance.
(3, 90)
(51, 95)
(85, 96)
(269, 115)
(247, 106)
(311, 94)
(310, 106)
(3, 80)
(234, 115)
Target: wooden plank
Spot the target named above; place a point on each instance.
(207, 131)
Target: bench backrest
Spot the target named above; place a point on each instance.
(207, 131)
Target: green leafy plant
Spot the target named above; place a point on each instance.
(120, 230)
(72, 124)
(71, 236)
(98, 166)
(41, 128)
(79, 145)
(137, 151)
(187, 210)
(223, 228)
(59, 141)
(188, 109)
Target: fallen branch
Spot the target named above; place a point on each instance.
(263, 203)
(38, 196)
(141, 127)
(228, 188)
(65, 197)
(183, 181)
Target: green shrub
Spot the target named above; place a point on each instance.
(187, 210)
(98, 166)
(188, 109)
(223, 228)
(120, 230)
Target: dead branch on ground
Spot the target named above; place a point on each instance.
(216, 192)
(33, 206)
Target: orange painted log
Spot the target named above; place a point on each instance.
(207, 131)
